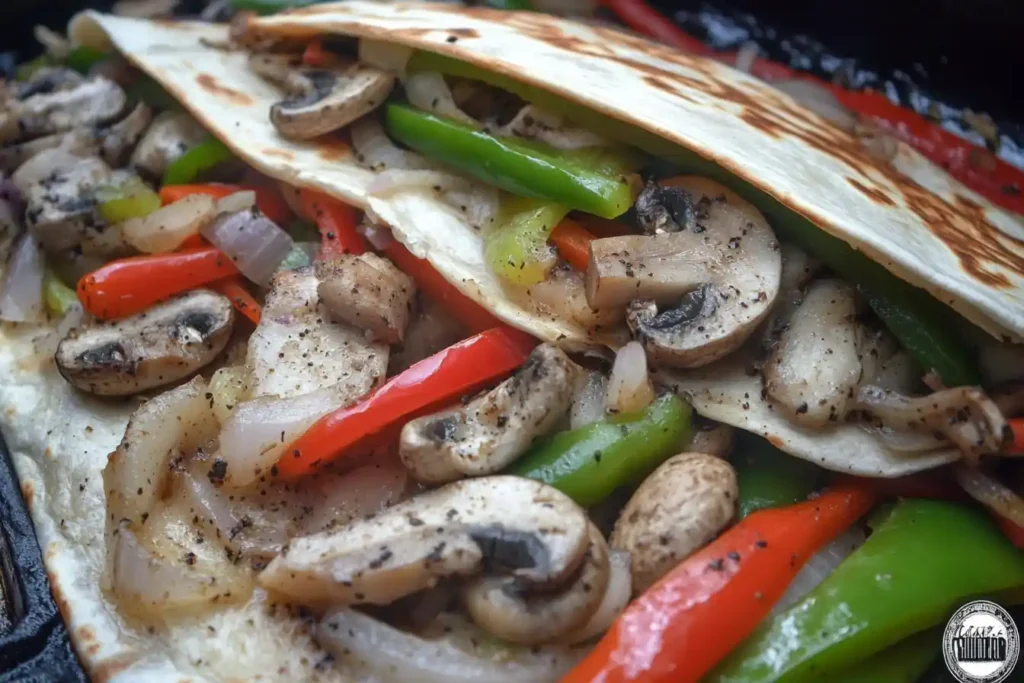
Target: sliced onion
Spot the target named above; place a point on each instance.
(629, 386)
(377, 152)
(535, 123)
(237, 201)
(255, 435)
(21, 300)
(363, 491)
(588, 401)
(46, 344)
(396, 180)
(401, 657)
(478, 204)
(253, 241)
(991, 493)
(383, 55)
(427, 90)
(228, 388)
(166, 228)
(903, 440)
(820, 566)
(616, 597)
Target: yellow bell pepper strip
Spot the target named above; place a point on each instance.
(923, 559)
(684, 624)
(58, 296)
(516, 248)
(130, 199)
(590, 181)
(202, 157)
(769, 478)
(904, 662)
(461, 369)
(587, 464)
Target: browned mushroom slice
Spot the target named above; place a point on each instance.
(169, 136)
(60, 206)
(489, 433)
(456, 530)
(46, 110)
(699, 282)
(164, 344)
(369, 292)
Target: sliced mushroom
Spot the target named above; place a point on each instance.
(503, 606)
(815, 367)
(681, 506)
(118, 140)
(78, 141)
(456, 530)
(324, 100)
(713, 438)
(169, 136)
(92, 102)
(965, 415)
(489, 433)
(60, 206)
(369, 292)
(701, 280)
(166, 343)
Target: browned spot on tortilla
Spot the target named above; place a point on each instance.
(51, 552)
(872, 193)
(333, 149)
(776, 441)
(464, 32)
(105, 671)
(282, 153)
(58, 597)
(28, 492)
(85, 634)
(48, 452)
(210, 84)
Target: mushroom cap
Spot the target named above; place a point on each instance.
(681, 506)
(330, 99)
(490, 432)
(697, 290)
(456, 530)
(164, 344)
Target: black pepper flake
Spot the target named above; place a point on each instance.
(716, 565)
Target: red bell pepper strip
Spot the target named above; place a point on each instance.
(433, 382)
(234, 289)
(472, 315)
(688, 621)
(314, 54)
(268, 199)
(131, 285)
(573, 243)
(193, 242)
(643, 18)
(336, 221)
(937, 485)
(1016, 447)
(1011, 530)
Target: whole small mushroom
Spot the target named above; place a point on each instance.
(679, 508)
(369, 292)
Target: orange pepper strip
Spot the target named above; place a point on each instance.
(314, 55)
(234, 289)
(472, 315)
(436, 381)
(268, 199)
(336, 221)
(688, 621)
(131, 285)
(573, 243)
(1017, 426)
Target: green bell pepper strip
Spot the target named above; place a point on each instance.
(147, 90)
(132, 199)
(526, 169)
(83, 58)
(768, 477)
(516, 247)
(57, 295)
(589, 463)
(923, 560)
(904, 662)
(923, 325)
(202, 157)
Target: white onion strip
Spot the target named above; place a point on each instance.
(427, 90)
(375, 151)
(21, 300)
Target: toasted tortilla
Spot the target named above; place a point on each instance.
(953, 243)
